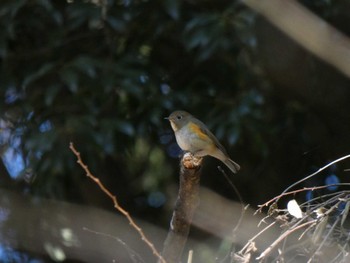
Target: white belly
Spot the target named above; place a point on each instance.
(186, 140)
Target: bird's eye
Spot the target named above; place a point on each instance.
(179, 117)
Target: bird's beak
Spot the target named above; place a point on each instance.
(166, 118)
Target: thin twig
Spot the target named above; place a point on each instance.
(280, 238)
(318, 171)
(243, 209)
(190, 256)
(241, 252)
(276, 198)
(324, 240)
(133, 254)
(313, 188)
(116, 204)
(309, 224)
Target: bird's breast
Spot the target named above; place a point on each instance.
(183, 139)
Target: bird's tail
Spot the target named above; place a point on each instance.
(234, 167)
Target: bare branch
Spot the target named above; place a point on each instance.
(115, 202)
(186, 204)
(283, 236)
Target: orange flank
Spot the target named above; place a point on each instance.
(197, 130)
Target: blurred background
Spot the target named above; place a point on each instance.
(103, 74)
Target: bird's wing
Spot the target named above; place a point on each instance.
(208, 133)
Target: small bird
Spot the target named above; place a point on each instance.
(193, 136)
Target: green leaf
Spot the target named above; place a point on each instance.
(86, 65)
(173, 8)
(51, 94)
(70, 78)
(37, 74)
(126, 128)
